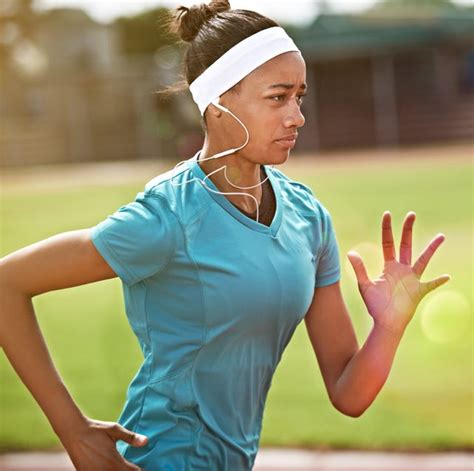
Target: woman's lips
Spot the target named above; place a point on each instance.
(286, 143)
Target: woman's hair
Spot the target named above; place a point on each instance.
(210, 31)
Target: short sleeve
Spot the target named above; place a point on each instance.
(328, 268)
(138, 239)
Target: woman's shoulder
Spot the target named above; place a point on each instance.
(179, 188)
(160, 181)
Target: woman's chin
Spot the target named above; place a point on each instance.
(280, 157)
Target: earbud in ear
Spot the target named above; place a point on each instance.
(216, 104)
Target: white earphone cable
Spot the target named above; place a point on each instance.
(224, 167)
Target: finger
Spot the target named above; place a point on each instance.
(406, 241)
(428, 286)
(127, 466)
(117, 432)
(422, 261)
(132, 467)
(359, 267)
(387, 237)
(121, 464)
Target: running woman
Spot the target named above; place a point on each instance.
(220, 259)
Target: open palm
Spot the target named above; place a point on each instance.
(392, 298)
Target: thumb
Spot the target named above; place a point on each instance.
(358, 266)
(117, 432)
(428, 286)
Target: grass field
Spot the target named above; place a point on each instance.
(427, 402)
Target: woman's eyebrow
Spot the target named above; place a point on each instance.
(287, 86)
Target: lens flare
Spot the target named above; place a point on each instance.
(446, 316)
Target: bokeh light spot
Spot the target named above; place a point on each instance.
(446, 316)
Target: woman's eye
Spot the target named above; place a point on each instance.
(301, 98)
(277, 98)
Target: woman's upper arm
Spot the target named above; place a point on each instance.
(62, 261)
(331, 333)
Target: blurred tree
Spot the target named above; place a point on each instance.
(17, 24)
(410, 5)
(145, 32)
(324, 7)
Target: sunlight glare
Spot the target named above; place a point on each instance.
(445, 316)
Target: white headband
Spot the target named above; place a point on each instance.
(238, 62)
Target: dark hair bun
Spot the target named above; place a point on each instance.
(188, 21)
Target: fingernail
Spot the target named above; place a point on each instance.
(141, 439)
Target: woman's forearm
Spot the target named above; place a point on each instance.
(24, 345)
(367, 371)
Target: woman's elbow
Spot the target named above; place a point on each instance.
(349, 411)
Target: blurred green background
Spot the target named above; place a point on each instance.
(427, 402)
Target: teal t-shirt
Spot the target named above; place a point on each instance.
(213, 297)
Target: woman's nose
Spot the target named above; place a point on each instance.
(295, 117)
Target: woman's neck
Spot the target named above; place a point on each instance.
(239, 172)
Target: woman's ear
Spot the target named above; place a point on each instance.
(211, 113)
(216, 109)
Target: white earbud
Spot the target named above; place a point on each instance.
(218, 105)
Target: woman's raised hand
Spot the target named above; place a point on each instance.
(393, 298)
(92, 447)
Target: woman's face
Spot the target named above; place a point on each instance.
(268, 102)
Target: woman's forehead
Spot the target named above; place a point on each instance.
(288, 70)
